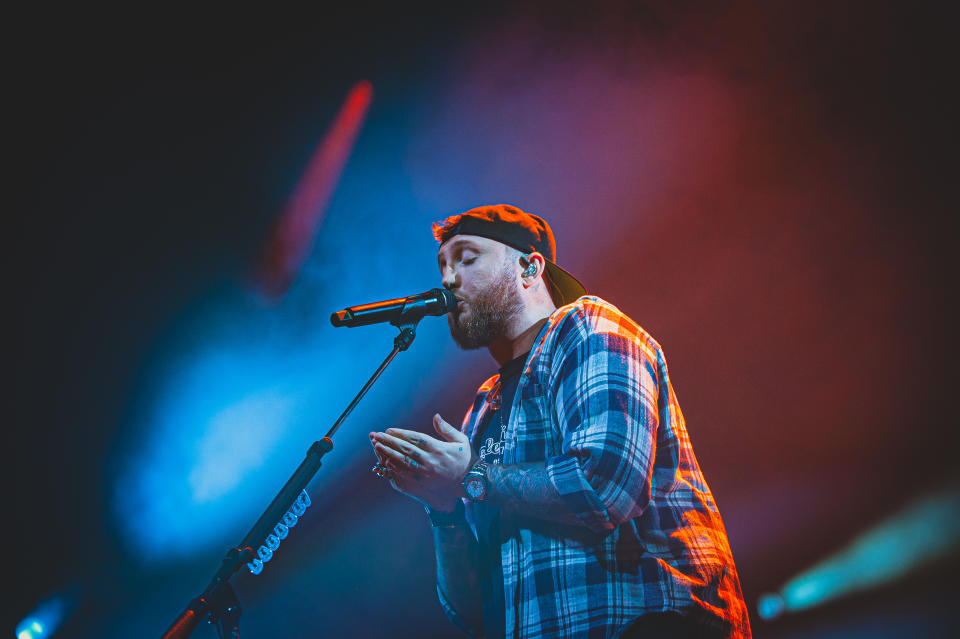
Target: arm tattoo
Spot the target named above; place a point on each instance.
(527, 489)
(457, 576)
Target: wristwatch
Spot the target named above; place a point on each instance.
(475, 482)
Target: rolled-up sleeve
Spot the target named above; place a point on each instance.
(605, 398)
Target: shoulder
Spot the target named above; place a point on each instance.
(589, 316)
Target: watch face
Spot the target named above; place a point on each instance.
(474, 487)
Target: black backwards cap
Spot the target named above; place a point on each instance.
(521, 230)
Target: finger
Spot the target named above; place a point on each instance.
(418, 439)
(403, 474)
(448, 432)
(398, 457)
(400, 445)
(389, 455)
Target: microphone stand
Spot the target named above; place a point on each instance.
(219, 601)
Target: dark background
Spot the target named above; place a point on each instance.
(781, 221)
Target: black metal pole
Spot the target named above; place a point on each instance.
(218, 599)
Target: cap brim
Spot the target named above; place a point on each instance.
(566, 288)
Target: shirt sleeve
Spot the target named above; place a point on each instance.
(455, 617)
(605, 397)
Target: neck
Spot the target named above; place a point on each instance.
(523, 329)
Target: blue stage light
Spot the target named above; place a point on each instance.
(43, 621)
(924, 531)
(245, 390)
(770, 606)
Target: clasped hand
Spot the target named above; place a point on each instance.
(426, 468)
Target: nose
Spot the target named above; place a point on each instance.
(449, 279)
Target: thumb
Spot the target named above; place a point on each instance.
(447, 431)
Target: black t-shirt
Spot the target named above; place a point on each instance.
(489, 447)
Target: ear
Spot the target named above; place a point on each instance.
(534, 263)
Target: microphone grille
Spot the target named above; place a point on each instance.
(447, 298)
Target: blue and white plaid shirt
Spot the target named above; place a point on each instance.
(595, 403)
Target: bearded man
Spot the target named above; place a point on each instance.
(570, 503)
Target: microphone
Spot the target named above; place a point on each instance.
(436, 301)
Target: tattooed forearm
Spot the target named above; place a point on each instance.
(526, 488)
(457, 575)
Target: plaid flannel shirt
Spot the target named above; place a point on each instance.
(595, 403)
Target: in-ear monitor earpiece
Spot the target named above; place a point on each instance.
(531, 269)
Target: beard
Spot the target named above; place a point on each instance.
(490, 310)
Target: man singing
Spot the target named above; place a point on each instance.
(570, 504)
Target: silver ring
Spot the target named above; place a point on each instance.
(381, 471)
